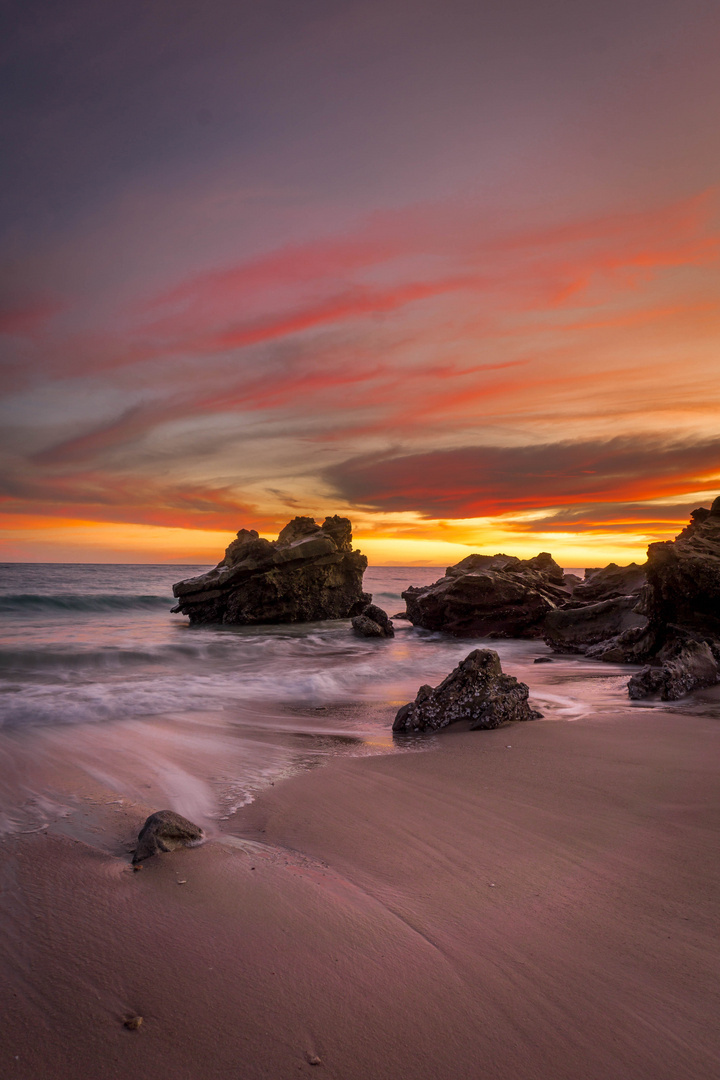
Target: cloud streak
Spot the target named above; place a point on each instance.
(481, 481)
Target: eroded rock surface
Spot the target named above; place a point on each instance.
(671, 623)
(678, 669)
(476, 690)
(683, 575)
(490, 594)
(165, 831)
(373, 622)
(575, 628)
(310, 572)
(610, 582)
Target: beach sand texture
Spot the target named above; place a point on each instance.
(529, 903)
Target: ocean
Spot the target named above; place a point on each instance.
(102, 684)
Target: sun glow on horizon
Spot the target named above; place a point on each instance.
(36, 539)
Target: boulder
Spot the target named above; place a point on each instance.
(609, 582)
(679, 669)
(165, 831)
(575, 628)
(373, 622)
(476, 690)
(310, 572)
(483, 595)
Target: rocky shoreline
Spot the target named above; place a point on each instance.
(664, 615)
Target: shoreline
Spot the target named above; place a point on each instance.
(536, 901)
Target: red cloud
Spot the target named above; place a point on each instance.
(484, 481)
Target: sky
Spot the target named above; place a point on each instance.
(449, 268)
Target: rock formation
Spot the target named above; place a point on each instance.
(476, 690)
(576, 627)
(310, 572)
(482, 595)
(165, 831)
(373, 622)
(671, 623)
(610, 582)
(682, 605)
(678, 668)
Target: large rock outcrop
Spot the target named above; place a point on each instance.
(683, 575)
(671, 624)
(476, 690)
(682, 605)
(482, 595)
(310, 572)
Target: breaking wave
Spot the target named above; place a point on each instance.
(27, 603)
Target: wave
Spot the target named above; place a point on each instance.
(24, 603)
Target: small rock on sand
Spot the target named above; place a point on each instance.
(165, 831)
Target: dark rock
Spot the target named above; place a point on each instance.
(365, 627)
(310, 572)
(631, 646)
(373, 622)
(165, 831)
(683, 580)
(485, 595)
(609, 582)
(685, 666)
(575, 628)
(476, 690)
(571, 581)
(672, 621)
(542, 660)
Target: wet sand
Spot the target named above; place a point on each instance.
(533, 903)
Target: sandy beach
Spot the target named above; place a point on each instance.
(533, 902)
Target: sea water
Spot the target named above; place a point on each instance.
(97, 674)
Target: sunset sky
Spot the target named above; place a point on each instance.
(450, 268)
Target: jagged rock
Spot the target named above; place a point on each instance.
(575, 628)
(683, 579)
(310, 572)
(365, 627)
(476, 690)
(571, 581)
(373, 622)
(483, 595)
(609, 582)
(632, 646)
(672, 621)
(685, 666)
(165, 831)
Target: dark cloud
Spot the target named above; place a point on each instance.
(478, 481)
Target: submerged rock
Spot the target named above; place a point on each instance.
(490, 594)
(476, 690)
(164, 831)
(310, 572)
(373, 622)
